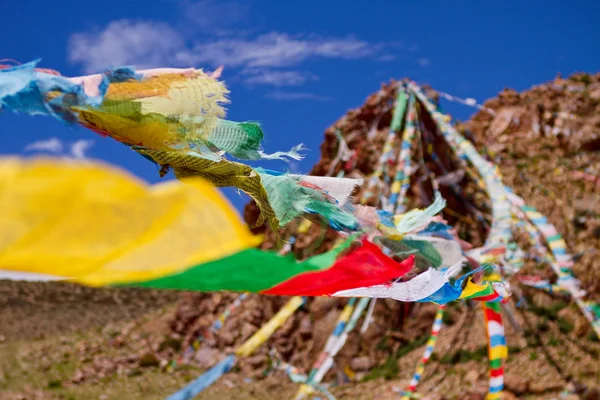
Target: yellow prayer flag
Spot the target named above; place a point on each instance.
(100, 225)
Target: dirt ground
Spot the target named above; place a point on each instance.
(93, 344)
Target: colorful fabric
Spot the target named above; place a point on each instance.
(174, 118)
(97, 225)
(175, 110)
(154, 110)
(219, 173)
(204, 380)
(453, 291)
(367, 265)
(271, 326)
(292, 196)
(25, 89)
(297, 377)
(338, 189)
(345, 324)
(543, 236)
(266, 272)
(217, 324)
(543, 284)
(324, 358)
(399, 110)
(473, 290)
(122, 232)
(337, 339)
(387, 153)
(422, 286)
(344, 154)
(471, 102)
(402, 179)
(562, 264)
(246, 349)
(497, 349)
(243, 140)
(165, 111)
(209, 333)
(418, 219)
(429, 346)
(280, 198)
(428, 251)
(501, 230)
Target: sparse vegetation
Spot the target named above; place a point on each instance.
(564, 325)
(390, 369)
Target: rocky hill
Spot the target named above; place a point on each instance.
(545, 141)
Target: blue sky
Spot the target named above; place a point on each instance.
(294, 66)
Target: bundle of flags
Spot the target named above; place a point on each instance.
(186, 236)
(94, 224)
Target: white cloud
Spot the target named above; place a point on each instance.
(80, 147)
(56, 146)
(273, 58)
(279, 95)
(143, 44)
(264, 76)
(424, 62)
(275, 49)
(147, 44)
(52, 145)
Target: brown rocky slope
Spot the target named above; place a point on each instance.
(550, 345)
